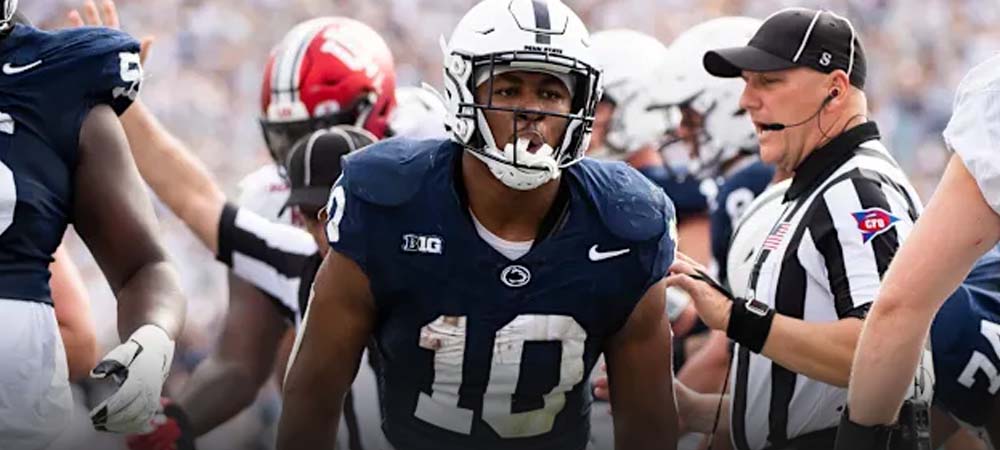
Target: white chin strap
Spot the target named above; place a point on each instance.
(543, 166)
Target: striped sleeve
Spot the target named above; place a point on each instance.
(857, 225)
(268, 255)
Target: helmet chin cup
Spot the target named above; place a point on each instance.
(531, 170)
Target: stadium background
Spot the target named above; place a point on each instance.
(203, 81)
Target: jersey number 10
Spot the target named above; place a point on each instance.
(446, 336)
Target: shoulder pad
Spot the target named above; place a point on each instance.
(631, 206)
(390, 172)
(104, 63)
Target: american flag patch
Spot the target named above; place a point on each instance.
(774, 239)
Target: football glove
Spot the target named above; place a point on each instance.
(171, 430)
(139, 367)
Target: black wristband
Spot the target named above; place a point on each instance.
(750, 323)
(186, 440)
(852, 436)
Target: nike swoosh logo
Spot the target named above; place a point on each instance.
(601, 256)
(8, 69)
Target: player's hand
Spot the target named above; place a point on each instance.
(139, 366)
(106, 17)
(713, 307)
(171, 430)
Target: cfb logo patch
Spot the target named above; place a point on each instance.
(418, 243)
(873, 222)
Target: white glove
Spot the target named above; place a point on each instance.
(139, 366)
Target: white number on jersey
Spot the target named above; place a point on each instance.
(980, 362)
(131, 73)
(446, 336)
(8, 191)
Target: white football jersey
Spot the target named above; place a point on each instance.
(974, 129)
(265, 192)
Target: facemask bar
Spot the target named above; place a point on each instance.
(581, 111)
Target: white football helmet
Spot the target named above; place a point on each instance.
(419, 114)
(726, 130)
(532, 35)
(628, 59)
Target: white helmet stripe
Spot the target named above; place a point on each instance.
(288, 65)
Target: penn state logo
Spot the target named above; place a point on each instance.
(873, 222)
(418, 243)
(515, 276)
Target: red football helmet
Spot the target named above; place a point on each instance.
(326, 71)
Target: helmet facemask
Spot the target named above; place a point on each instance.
(513, 164)
(7, 17)
(279, 136)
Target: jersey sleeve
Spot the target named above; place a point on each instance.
(270, 256)
(662, 248)
(345, 223)
(973, 132)
(856, 228)
(117, 73)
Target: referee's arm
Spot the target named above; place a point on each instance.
(850, 265)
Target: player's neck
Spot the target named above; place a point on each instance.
(508, 213)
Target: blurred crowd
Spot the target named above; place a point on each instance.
(204, 74)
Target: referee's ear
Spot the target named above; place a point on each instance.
(839, 88)
(322, 215)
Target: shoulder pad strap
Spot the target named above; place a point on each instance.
(631, 206)
(390, 172)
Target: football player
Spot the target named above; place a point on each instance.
(492, 269)
(344, 73)
(60, 93)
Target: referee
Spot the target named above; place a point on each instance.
(814, 276)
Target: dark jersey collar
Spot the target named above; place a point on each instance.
(825, 160)
(554, 218)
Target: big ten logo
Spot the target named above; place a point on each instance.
(416, 243)
(350, 50)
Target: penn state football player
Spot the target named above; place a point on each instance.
(493, 268)
(60, 93)
(346, 63)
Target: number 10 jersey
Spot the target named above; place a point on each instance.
(479, 351)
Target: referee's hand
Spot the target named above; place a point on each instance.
(713, 307)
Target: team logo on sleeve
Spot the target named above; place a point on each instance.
(873, 222)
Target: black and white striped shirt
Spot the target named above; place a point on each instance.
(277, 258)
(845, 214)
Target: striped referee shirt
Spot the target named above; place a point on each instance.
(847, 210)
(280, 260)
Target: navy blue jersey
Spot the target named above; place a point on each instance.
(479, 351)
(965, 340)
(48, 84)
(683, 189)
(735, 193)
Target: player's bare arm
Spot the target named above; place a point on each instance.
(641, 378)
(914, 288)
(76, 322)
(338, 324)
(115, 219)
(242, 361)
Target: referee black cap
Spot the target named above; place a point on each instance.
(795, 37)
(313, 164)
